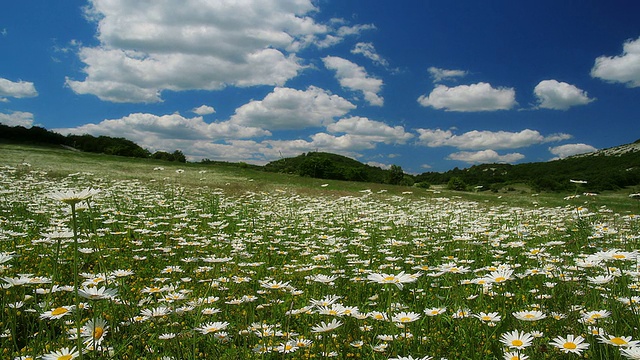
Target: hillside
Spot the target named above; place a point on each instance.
(328, 166)
(608, 169)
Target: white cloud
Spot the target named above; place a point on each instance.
(157, 132)
(439, 74)
(369, 51)
(20, 89)
(204, 110)
(564, 151)
(146, 47)
(475, 97)
(475, 140)
(287, 108)
(370, 129)
(623, 68)
(17, 118)
(556, 95)
(484, 157)
(354, 77)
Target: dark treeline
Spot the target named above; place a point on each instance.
(89, 143)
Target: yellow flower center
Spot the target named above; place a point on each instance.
(486, 318)
(405, 319)
(569, 345)
(389, 278)
(619, 256)
(618, 341)
(529, 316)
(64, 357)
(515, 357)
(517, 342)
(500, 279)
(97, 332)
(58, 311)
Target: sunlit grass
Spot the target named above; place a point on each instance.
(188, 265)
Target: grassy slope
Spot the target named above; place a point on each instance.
(58, 162)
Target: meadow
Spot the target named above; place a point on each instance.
(105, 257)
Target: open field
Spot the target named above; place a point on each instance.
(196, 262)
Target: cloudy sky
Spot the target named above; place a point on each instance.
(427, 85)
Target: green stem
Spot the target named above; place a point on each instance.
(76, 280)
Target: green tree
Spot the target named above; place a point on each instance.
(395, 175)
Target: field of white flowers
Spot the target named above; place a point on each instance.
(93, 268)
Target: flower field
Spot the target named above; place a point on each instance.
(93, 267)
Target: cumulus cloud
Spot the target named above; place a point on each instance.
(466, 98)
(556, 95)
(355, 77)
(476, 140)
(152, 131)
(369, 51)
(286, 108)
(439, 74)
(375, 131)
(623, 68)
(484, 157)
(20, 89)
(17, 118)
(146, 47)
(567, 150)
(204, 110)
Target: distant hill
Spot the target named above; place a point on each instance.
(328, 166)
(608, 169)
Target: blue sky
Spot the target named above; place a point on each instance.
(427, 85)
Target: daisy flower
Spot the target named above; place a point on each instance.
(94, 331)
(631, 353)
(513, 355)
(488, 317)
(324, 327)
(95, 293)
(516, 339)
(212, 327)
(405, 317)
(435, 311)
(62, 354)
(57, 313)
(570, 344)
(397, 280)
(531, 315)
(73, 197)
(622, 341)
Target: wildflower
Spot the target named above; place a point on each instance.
(411, 358)
(488, 317)
(212, 327)
(529, 315)
(62, 354)
(572, 344)
(398, 280)
(631, 353)
(376, 315)
(435, 311)
(324, 327)
(95, 293)
(288, 347)
(72, 197)
(500, 275)
(516, 339)
(512, 355)
(405, 317)
(57, 313)
(94, 332)
(622, 341)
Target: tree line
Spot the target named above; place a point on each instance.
(88, 143)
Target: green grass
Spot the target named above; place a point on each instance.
(255, 254)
